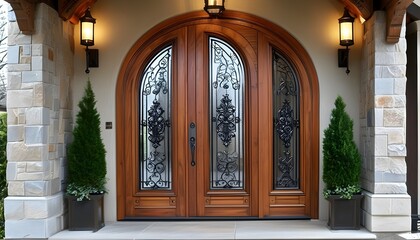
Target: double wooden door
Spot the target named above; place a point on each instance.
(210, 123)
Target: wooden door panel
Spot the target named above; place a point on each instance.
(287, 205)
(227, 206)
(289, 211)
(152, 206)
(227, 212)
(193, 60)
(228, 202)
(149, 202)
(155, 202)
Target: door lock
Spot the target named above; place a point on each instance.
(192, 141)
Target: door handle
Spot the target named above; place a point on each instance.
(192, 140)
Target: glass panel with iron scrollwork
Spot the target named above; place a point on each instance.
(154, 125)
(286, 124)
(226, 79)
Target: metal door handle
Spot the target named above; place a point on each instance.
(192, 140)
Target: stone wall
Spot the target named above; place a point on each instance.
(386, 205)
(40, 68)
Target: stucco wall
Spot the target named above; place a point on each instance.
(120, 23)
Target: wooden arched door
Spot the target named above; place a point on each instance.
(217, 118)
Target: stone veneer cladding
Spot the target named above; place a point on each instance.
(386, 207)
(40, 68)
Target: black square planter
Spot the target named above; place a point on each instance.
(344, 214)
(87, 214)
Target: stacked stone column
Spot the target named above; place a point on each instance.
(40, 67)
(386, 206)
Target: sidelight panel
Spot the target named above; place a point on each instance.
(286, 124)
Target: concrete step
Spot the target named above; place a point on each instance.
(279, 229)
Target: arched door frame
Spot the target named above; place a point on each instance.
(282, 41)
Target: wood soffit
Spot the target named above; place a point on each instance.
(72, 10)
(395, 12)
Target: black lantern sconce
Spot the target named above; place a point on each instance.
(346, 39)
(214, 7)
(87, 38)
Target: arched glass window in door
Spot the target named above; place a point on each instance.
(286, 124)
(226, 74)
(155, 112)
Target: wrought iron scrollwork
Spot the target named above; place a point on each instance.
(155, 165)
(226, 91)
(286, 123)
(156, 77)
(227, 164)
(156, 124)
(227, 72)
(285, 75)
(226, 120)
(155, 99)
(286, 166)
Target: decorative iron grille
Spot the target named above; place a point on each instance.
(226, 74)
(155, 106)
(286, 124)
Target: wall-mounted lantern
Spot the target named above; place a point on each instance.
(87, 38)
(214, 7)
(346, 39)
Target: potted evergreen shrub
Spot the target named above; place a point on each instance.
(86, 168)
(341, 170)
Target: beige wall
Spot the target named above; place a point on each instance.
(313, 23)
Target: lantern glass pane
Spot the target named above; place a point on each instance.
(215, 2)
(346, 31)
(87, 31)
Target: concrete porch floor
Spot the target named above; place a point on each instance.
(296, 229)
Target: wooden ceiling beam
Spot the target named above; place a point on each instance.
(72, 10)
(395, 12)
(363, 8)
(24, 11)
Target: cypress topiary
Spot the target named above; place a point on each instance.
(342, 164)
(86, 154)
